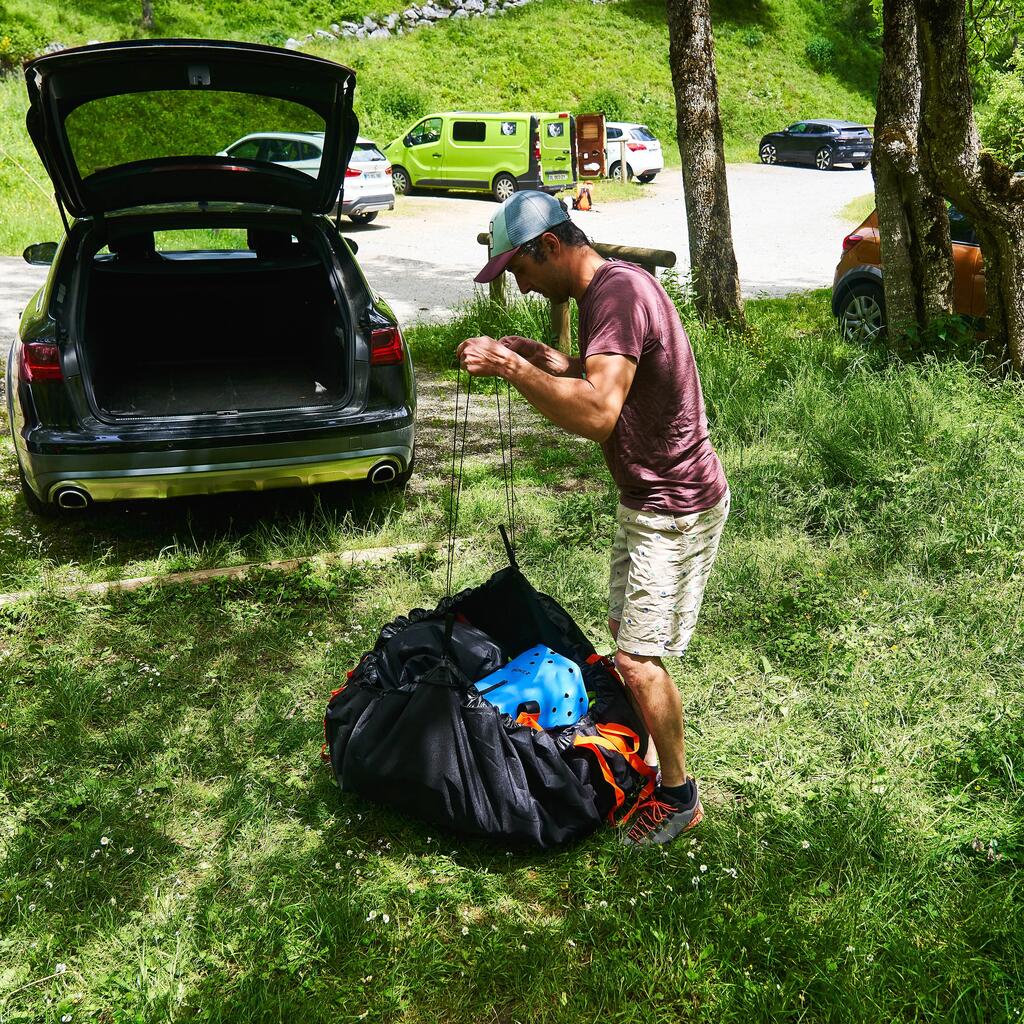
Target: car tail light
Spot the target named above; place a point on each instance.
(536, 149)
(386, 347)
(850, 241)
(634, 146)
(40, 360)
(387, 170)
(351, 172)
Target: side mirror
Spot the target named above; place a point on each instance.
(352, 244)
(407, 141)
(40, 254)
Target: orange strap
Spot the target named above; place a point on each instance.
(533, 721)
(614, 737)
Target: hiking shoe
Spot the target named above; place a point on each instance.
(659, 819)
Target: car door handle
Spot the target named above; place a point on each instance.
(436, 156)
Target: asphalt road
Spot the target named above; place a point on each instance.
(421, 257)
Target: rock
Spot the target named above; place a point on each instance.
(292, 44)
(474, 6)
(369, 24)
(336, 29)
(54, 47)
(391, 21)
(322, 33)
(460, 14)
(380, 33)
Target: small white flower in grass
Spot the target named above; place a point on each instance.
(66, 1017)
(128, 851)
(385, 918)
(730, 871)
(569, 942)
(465, 930)
(523, 948)
(703, 868)
(805, 845)
(60, 968)
(850, 949)
(31, 908)
(371, 915)
(603, 904)
(691, 854)
(104, 840)
(337, 865)
(310, 633)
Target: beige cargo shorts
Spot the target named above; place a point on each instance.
(660, 566)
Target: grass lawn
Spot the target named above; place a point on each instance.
(173, 849)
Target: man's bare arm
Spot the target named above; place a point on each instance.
(587, 406)
(543, 356)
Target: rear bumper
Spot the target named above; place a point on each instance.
(858, 153)
(125, 474)
(368, 204)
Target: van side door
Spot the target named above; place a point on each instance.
(468, 153)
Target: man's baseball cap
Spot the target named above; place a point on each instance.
(522, 217)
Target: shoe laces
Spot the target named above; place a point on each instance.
(651, 813)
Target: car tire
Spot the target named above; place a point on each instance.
(646, 179)
(504, 187)
(401, 181)
(769, 154)
(823, 159)
(363, 218)
(860, 165)
(615, 171)
(36, 505)
(862, 313)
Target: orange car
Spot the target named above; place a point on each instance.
(858, 300)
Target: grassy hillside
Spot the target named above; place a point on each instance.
(554, 54)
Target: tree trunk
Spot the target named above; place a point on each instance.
(912, 220)
(147, 14)
(980, 186)
(699, 127)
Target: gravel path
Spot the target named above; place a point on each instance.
(422, 256)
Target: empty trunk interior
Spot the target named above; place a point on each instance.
(180, 337)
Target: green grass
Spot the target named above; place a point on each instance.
(550, 55)
(857, 210)
(168, 833)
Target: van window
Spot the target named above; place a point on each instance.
(365, 152)
(614, 133)
(509, 128)
(469, 131)
(425, 132)
(556, 129)
(644, 134)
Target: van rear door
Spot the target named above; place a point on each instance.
(556, 156)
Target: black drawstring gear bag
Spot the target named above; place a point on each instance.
(409, 729)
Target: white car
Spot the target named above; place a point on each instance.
(368, 187)
(643, 151)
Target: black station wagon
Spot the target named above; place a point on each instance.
(821, 143)
(204, 326)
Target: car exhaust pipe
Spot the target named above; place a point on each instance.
(73, 497)
(383, 473)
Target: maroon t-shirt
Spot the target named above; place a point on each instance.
(659, 454)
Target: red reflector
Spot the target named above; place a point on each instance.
(40, 360)
(634, 146)
(351, 172)
(563, 115)
(850, 241)
(386, 346)
(387, 170)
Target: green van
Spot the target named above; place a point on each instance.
(486, 152)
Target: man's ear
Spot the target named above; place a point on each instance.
(551, 243)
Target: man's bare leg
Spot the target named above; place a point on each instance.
(656, 699)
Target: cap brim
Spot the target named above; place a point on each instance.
(495, 266)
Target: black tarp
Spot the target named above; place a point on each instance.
(409, 729)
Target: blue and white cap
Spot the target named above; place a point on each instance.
(522, 217)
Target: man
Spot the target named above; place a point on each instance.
(636, 391)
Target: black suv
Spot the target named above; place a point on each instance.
(822, 143)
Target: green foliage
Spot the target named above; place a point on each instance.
(820, 53)
(752, 37)
(1001, 118)
(169, 834)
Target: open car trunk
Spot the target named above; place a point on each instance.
(190, 334)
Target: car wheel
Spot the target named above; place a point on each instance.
(363, 218)
(862, 313)
(823, 159)
(615, 172)
(769, 155)
(860, 165)
(504, 187)
(646, 179)
(400, 180)
(36, 505)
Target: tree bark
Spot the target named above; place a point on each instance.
(716, 280)
(912, 221)
(147, 14)
(982, 187)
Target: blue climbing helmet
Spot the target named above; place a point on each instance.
(541, 676)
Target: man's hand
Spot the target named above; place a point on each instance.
(484, 357)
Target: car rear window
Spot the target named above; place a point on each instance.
(365, 152)
(644, 134)
(141, 126)
(469, 131)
